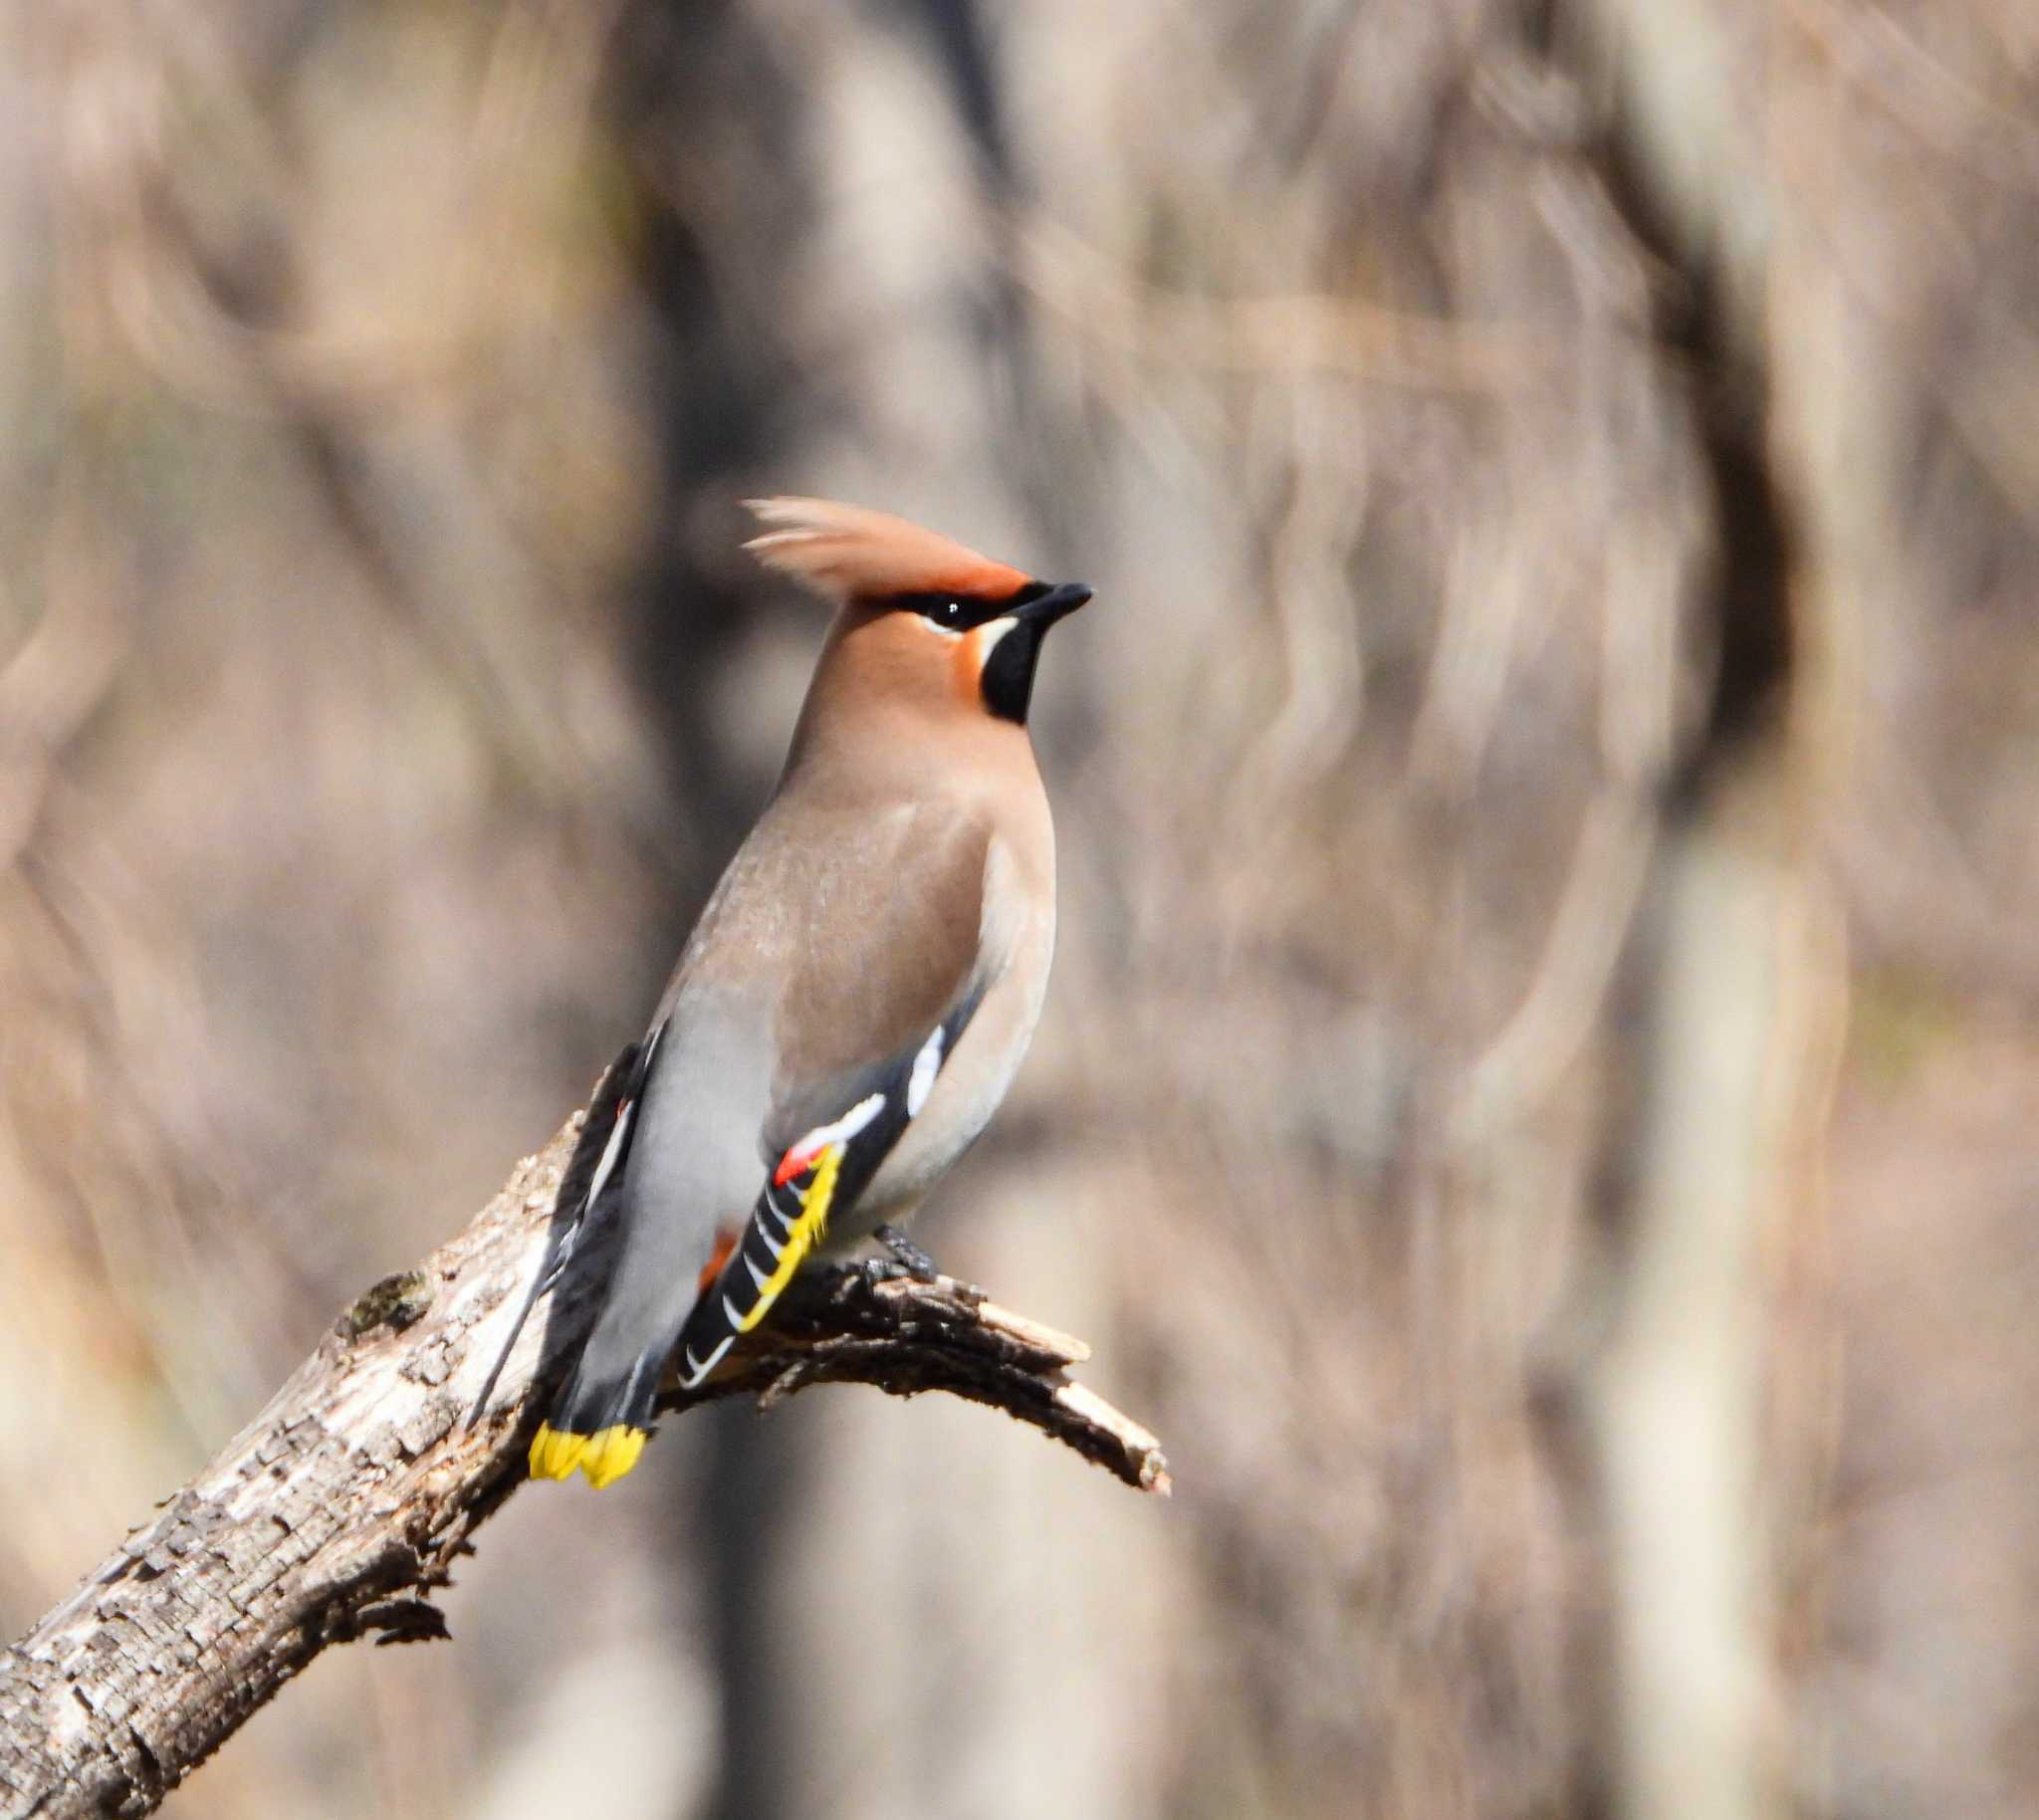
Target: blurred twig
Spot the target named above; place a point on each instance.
(1107, 302)
(1950, 113)
(345, 1504)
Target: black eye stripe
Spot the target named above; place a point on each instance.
(958, 612)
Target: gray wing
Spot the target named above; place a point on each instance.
(876, 1004)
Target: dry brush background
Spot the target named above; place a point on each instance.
(1537, 1098)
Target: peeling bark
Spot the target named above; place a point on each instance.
(343, 1505)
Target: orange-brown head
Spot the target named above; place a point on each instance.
(922, 621)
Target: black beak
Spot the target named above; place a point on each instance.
(1058, 603)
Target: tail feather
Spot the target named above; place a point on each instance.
(606, 1455)
(599, 1427)
(604, 1135)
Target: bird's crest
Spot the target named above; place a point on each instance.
(848, 552)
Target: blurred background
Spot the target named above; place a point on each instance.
(1538, 1102)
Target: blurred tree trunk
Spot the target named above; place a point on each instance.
(1715, 1049)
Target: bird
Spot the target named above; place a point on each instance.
(857, 996)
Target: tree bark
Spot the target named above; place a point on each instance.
(343, 1505)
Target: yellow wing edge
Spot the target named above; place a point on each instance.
(610, 1453)
(808, 1231)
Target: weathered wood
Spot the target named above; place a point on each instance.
(337, 1511)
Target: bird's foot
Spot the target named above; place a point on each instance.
(901, 1260)
(907, 1258)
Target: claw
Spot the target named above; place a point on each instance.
(866, 1273)
(911, 1259)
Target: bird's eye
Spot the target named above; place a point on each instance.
(940, 612)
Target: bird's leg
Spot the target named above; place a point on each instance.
(908, 1259)
(900, 1258)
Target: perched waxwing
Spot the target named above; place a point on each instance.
(857, 996)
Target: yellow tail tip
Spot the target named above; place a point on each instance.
(605, 1456)
(554, 1454)
(613, 1452)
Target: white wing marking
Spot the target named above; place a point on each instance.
(926, 1065)
(844, 1128)
(613, 1149)
(694, 1373)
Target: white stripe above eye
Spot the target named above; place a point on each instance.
(926, 1065)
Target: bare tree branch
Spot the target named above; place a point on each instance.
(343, 1505)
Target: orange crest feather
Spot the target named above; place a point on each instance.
(848, 552)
